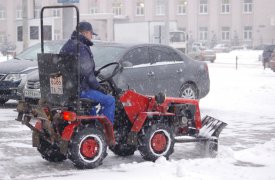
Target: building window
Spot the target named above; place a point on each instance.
(93, 10)
(247, 34)
(182, 7)
(117, 8)
(2, 38)
(140, 8)
(47, 32)
(34, 32)
(247, 6)
(57, 34)
(36, 13)
(203, 34)
(19, 33)
(19, 14)
(225, 6)
(56, 12)
(225, 33)
(2, 14)
(203, 7)
(160, 8)
(94, 7)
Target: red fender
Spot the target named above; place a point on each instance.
(69, 130)
(109, 132)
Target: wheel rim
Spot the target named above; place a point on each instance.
(90, 148)
(159, 142)
(188, 93)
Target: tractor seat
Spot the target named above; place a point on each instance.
(85, 102)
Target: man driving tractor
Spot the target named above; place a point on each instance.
(89, 86)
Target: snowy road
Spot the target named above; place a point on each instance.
(243, 98)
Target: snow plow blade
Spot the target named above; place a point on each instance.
(211, 127)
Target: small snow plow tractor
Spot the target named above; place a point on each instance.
(64, 129)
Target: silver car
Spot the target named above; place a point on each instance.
(149, 69)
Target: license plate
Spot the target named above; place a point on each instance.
(32, 93)
(56, 85)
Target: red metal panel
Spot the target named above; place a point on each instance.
(69, 130)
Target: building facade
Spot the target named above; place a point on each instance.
(232, 22)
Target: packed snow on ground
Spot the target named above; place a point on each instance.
(4, 58)
(243, 98)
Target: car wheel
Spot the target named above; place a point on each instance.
(88, 148)
(3, 101)
(189, 91)
(156, 141)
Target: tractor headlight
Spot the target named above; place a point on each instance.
(14, 77)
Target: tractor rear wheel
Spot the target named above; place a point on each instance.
(3, 101)
(87, 148)
(156, 141)
(50, 152)
(123, 149)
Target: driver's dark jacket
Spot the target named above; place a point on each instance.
(87, 64)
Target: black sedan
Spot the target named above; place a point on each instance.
(147, 68)
(13, 72)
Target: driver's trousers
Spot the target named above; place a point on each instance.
(107, 103)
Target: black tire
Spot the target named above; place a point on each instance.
(50, 152)
(156, 141)
(87, 148)
(123, 149)
(3, 101)
(208, 148)
(189, 91)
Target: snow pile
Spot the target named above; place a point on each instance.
(253, 164)
(2, 58)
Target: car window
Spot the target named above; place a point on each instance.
(160, 54)
(137, 56)
(31, 53)
(176, 57)
(106, 54)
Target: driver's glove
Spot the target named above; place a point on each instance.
(102, 89)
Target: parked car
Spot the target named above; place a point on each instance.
(148, 69)
(272, 61)
(13, 72)
(266, 56)
(202, 54)
(199, 44)
(221, 48)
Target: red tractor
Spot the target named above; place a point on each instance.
(64, 129)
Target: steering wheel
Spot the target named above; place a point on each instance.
(106, 78)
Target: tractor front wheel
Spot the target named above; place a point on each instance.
(156, 141)
(87, 148)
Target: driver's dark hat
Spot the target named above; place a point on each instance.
(86, 26)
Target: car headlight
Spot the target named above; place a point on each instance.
(14, 77)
